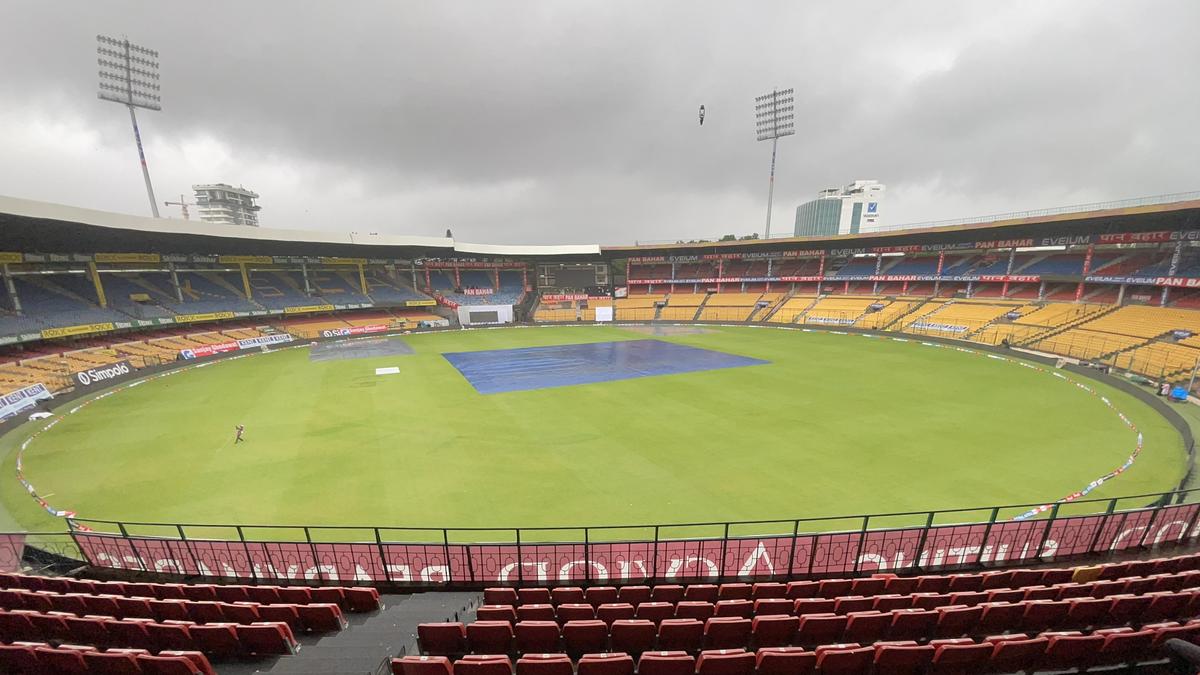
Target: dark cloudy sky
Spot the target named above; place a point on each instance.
(575, 122)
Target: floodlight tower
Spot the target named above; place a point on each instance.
(129, 76)
(774, 120)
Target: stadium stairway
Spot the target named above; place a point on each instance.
(770, 310)
(1130, 348)
(1067, 326)
(700, 307)
(370, 641)
(902, 319)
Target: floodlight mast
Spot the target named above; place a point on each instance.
(774, 119)
(129, 76)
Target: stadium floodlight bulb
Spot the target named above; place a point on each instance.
(129, 76)
(774, 115)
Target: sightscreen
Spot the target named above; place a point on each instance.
(485, 317)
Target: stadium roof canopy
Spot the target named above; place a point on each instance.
(33, 226)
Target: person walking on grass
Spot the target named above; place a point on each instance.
(241, 429)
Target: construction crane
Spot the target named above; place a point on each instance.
(183, 203)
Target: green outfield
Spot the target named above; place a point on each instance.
(835, 424)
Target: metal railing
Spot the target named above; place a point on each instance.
(992, 536)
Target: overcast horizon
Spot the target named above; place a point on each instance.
(564, 123)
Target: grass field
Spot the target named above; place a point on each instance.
(834, 425)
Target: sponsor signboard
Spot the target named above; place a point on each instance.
(235, 345)
(207, 316)
(564, 297)
(343, 261)
(16, 401)
(354, 330)
(773, 557)
(308, 308)
(102, 375)
(9, 257)
(253, 259)
(478, 291)
(946, 327)
(127, 258)
(82, 329)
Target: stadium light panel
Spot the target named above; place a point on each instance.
(129, 75)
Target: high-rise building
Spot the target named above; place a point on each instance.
(846, 210)
(221, 203)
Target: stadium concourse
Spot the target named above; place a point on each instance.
(89, 298)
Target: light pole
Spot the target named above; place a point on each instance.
(129, 76)
(774, 120)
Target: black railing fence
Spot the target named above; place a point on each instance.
(951, 539)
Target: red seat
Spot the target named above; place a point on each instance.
(1088, 612)
(442, 639)
(785, 661)
(128, 633)
(803, 606)
(243, 612)
(632, 636)
(321, 618)
(655, 611)
(685, 635)
(614, 611)
(738, 608)
(1023, 578)
(727, 632)
(866, 627)
(1017, 654)
(48, 626)
(490, 637)
(1041, 615)
(820, 629)
(486, 664)
(833, 588)
(1040, 593)
(914, 624)
(575, 611)
(533, 596)
(803, 589)
(111, 663)
(725, 662)
(421, 665)
(362, 599)
(586, 636)
(852, 603)
(267, 638)
(968, 598)
(197, 592)
(775, 630)
(901, 585)
(205, 612)
(1165, 605)
(329, 595)
(932, 583)
(295, 595)
(536, 637)
(60, 660)
(902, 658)
(160, 591)
(566, 595)
(232, 594)
(170, 610)
(765, 606)
(282, 614)
(544, 664)
(930, 600)
(734, 591)
(1123, 645)
(217, 639)
(1105, 588)
(959, 656)
(104, 605)
(965, 582)
(39, 602)
(1128, 608)
(1138, 585)
(1006, 595)
(500, 596)
(1071, 650)
(671, 593)
(849, 659)
(88, 631)
(768, 590)
(167, 664)
(600, 595)
(868, 586)
(890, 601)
(701, 593)
(169, 636)
(18, 659)
(133, 608)
(999, 616)
(264, 595)
(634, 595)
(17, 627)
(496, 613)
(666, 663)
(606, 664)
(692, 609)
(540, 611)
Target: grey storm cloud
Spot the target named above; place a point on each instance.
(545, 122)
